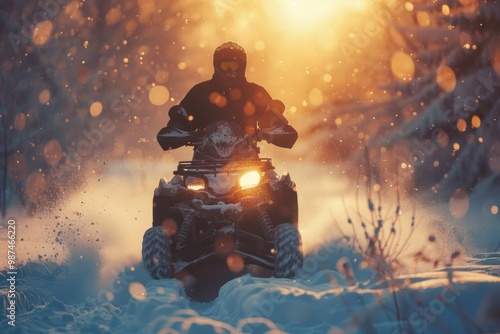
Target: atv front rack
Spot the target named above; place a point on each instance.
(222, 166)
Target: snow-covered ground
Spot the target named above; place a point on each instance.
(322, 303)
(85, 276)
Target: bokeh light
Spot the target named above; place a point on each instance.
(445, 9)
(494, 157)
(17, 166)
(114, 16)
(169, 226)
(459, 203)
(96, 109)
(35, 187)
(259, 45)
(44, 96)
(42, 32)
(476, 122)
(20, 121)
(146, 9)
(496, 59)
(159, 95)
(446, 79)
(72, 10)
(423, 19)
(137, 291)
(467, 2)
(316, 97)
(402, 66)
(217, 99)
(235, 263)
(461, 125)
(110, 296)
(52, 151)
(442, 138)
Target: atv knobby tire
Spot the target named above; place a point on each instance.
(156, 253)
(288, 246)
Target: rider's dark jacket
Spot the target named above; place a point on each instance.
(245, 103)
(212, 101)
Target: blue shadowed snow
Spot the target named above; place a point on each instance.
(67, 298)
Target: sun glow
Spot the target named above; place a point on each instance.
(305, 15)
(295, 48)
(302, 15)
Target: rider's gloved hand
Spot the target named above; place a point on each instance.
(282, 135)
(178, 119)
(262, 135)
(273, 116)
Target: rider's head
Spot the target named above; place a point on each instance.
(230, 61)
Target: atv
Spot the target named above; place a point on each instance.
(223, 214)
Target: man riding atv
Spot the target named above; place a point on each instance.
(228, 96)
(226, 211)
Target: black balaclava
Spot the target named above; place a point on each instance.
(230, 52)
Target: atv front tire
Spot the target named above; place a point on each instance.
(156, 253)
(288, 249)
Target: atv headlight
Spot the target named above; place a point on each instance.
(249, 180)
(194, 183)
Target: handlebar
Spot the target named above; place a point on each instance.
(281, 135)
(170, 138)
